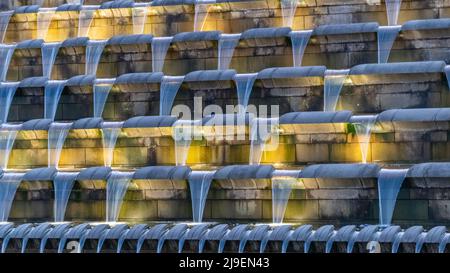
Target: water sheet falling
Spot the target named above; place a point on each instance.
(334, 81)
(52, 94)
(5, 16)
(101, 92)
(199, 183)
(110, 133)
(49, 52)
(261, 130)
(169, 89)
(389, 184)
(281, 190)
(386, 39)
(62, 185)
(299, 40)
(57, 134)
(8, 187)
(8, 134)
(393, 10)
(7, 91)
(363, 127)
(183, 133)
(116, 187)
(244, 85)
(201, 12)
(94, 50)
(44, 18)
(6, 53)
(85, 18)
(139, 16)
(288, 8)
(160, 45)
(227, 44)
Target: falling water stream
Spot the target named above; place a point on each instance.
(116, 187)
(85, 18)
(52, 94)
(160, 45)
(334, 81)
(261, 130)
(9, 183)
(94, 50)
(57, 134)
(6, 53)
(244, 85)
(281, 190)
(199, 183)
(5, 16)
(363, 126)
(44, 18)
(49, 52)
(7, 91)
(183, 133)
(8, 134)
(110, 133)
(169, 89)
(227, 44)
(62, 185)
(139, 16)
(393, 10)
(201, 12)
(389, 184)
(288, 9)
(386, 39)
(101, 91)
(299, 40)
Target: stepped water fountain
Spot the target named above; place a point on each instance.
(160, 45)
(57, 134)
(53, 91)
(8, 134)
(244, 86)
(282, 184)
(44, 18)
(85, 19)
(227, 44)
(94, 50)
(7, 91)
(5, 16)
(62, 185)
(199, 183)
(9, 183)
(389, 184)
(169, 89)
(6, 53)
(110, 133)
(363, 127)
(334, 81)
(300, 40)
(49, 52)
(392, 11)
(101, 90)
(261, 131)
(288, 9)
(139, 17)
(386, 39)
(116, 187)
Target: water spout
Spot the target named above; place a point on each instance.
(49, 52)
(57, 134)
(201, 12)
(244, 85)
(389, 184)
(299, 40)
(139, 16)
(110, 133)
(281, 190)
(386, 39)
(44, 18)
(5, 16)
(261, 130)
(53, 91)
(183, 133)
(227, 44)
(199, 183)
(94, 50)
(85, 18)
(62, 185)
(7, 91)
(288, 9)
(116, 188)
(160, 45)
(101, 92)
(8, 134)
(9, 183)
(393, 10)
(363, 126)
(334, 81)
(169, 89)
(6, 53)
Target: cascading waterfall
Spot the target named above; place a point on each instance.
(53, 91)
(85, 18)
(57, 134)
(389, 184)
(160, 45)
(139, 16)
(393, 10)
(7, 91)
(116, 187)
(5, 16)
(282, 184)
(62, 185)
(288, 9)
(44, 18)
(101, 92)
(110, 133)
(169, 89)
(363, 127)
(386, 39)
(6, 53)
(244, 85)
(94, 50)
(201, 12)
(227, 44)
(9, 183)
(334, 81)
(8, 134)
(261, 130)
(299, 40)
(199, 183)
(183, 133)
(49, 52)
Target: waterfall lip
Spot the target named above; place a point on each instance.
(50, 9)
(10, 127)
(112, 124)
(104, 81)
(286, 173)
(81, 80)
(336, 72)
(90, 7)
(363, 118)
(230, 36)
